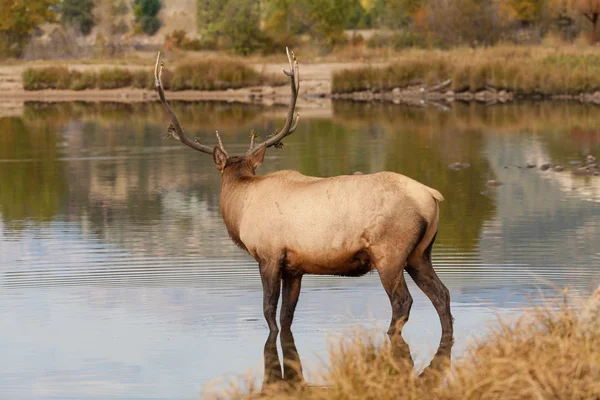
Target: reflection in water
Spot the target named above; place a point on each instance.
(292, 375)
(118, 278)
(292, 366)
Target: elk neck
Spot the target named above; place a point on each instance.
(235, 183)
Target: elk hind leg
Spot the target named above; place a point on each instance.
(392, 279)
(421, 270)
(290, 292)
(270, 274)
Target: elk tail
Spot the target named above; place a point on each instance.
(436, 195)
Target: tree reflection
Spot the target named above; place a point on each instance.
(108, 165)
(32, 182)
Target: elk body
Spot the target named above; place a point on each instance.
(293, 224)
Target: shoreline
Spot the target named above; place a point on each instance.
(279, 96)
(441, 93)
(315, 91)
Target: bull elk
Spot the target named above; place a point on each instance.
(293, 224)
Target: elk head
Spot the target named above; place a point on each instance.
(255, 154)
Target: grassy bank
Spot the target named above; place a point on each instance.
(217, 73)
(544, 355)
(521, 70)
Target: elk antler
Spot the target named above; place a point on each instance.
(290, 125)
(175, 126)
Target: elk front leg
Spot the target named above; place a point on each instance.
(392, 279)
(270, 275)
(291, 292)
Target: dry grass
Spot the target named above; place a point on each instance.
(523, 70)
(542, 355)
(213, 73)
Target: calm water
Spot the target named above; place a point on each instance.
(118, 279)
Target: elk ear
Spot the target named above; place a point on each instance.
(257, 158)
(220, 158)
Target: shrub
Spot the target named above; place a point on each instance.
(379, 40)
(46, 78)
(149, 25)
(77, 13)
(142, 79)
(518, 72)
(83, 80)
(208, 74)
(178, 40)
(113, 78)
(217, 74)
(146, 15)
(405, 40)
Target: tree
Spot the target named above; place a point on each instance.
(590, 9)
(209, 14)
(146, 15)
(394, 14)
(525, 11)
(18, 20)
(472, 22)
(240, 26)
(327, 19)
(77, 13)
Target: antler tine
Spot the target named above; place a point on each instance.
(175, 125)
(296, 72)
(290, 125)
(220, 143)
(252, 136)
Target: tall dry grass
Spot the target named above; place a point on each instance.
(543, 355)
(215, 73)
(522, 70)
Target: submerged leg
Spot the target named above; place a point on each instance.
(440, 362)
(394, 284)
(401, 351)
(292, 366)
(272, 366)
(290, 293)
(270, 275)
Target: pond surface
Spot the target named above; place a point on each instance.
(118, 279)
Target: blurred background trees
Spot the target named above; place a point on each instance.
(146, 16)
(590, 9)
(78, 14)
(249, 26)
(19, 20)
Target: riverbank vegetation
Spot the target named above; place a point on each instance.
(546, 354)
(214, 73)
(521, 70)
